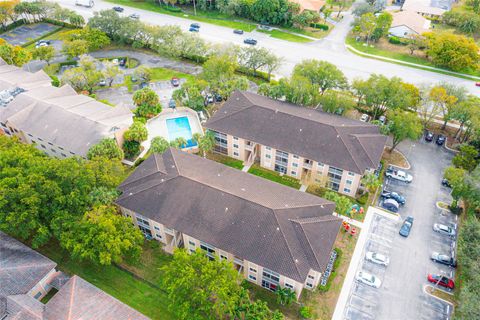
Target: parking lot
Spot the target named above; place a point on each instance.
(26, 33)
(401, 294)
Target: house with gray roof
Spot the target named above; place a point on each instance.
(26, 277)
(274, 235)
(307, 144)
(58, 121)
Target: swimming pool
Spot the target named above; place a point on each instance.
(180, 128)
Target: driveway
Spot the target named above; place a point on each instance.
(401, 294)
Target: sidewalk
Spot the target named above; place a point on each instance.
(415, 65)
(356, 259)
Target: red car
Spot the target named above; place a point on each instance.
(441, 280)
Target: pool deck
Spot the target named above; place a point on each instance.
(158, 126)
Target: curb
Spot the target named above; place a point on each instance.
(400, 167)
(449, 149)
(436, 204)
(435, 297)
(414, 65)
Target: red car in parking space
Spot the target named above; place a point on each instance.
(441, 280)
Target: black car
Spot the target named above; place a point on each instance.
(443, 259)
(122, 62)
(195, 25)
(218, 97)
(238, 31)
(250, 41)
(406, 227)
(393, 195)
(192, 29)
(428, 136)
(440, 140)
(446, 183)
(118, 9)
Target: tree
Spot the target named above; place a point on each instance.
(198, 288)
(191, 94)
(475, 4)
(110, 71)
(159, 145)
(7, 12)
(95, 38)
(75, 48)
(82, 78)
(465, 112)
(143, 73)
(455, 52)
(443, 101)
(403, 125)
(466, 158)
(254, 58)
(416, 42)
(147, 102)
(366, 25)
(285, 296)
(14, 55)
(44, 53)
(205, 143)
(131, 148)
(299, 90)
(343, 204)
(371, 182)
(137, 132)
(362, 9)
(102, 236)
(179, 143)
(336, 102)
(383, 24)
(108, 148)
(307, 17)
(219, 73)
(77, 20)
(321, 73)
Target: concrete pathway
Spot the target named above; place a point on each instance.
(356, 259)
(246, 168)
(351, 221)
(303, 188)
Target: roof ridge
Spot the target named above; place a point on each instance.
(72, 296)
(363, 147)
(348, 149)
(252, 104)
(144, 189)
(36, 265)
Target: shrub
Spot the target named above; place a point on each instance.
(306, 312)
(320, 26)
(394, 40)
(131, 148)
(173, 9)
(363, 199)
(55, 81)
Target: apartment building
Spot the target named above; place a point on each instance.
(274, 235)
(310, 145)
(58, 121)
(26, 277)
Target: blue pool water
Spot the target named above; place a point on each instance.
(180, 127)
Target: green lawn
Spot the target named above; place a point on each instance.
(405, 58)
(49, 295)
(160, 74)
(286, 36)
(274, 176)
(202, 16)
(116, 282)
(234, 163)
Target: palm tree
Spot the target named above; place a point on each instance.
(285, 296)
(371, 182)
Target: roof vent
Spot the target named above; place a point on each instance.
(162, 180)
(276, 110)
(130, 194)
(278, 229)
(243, 189)
(301, 129)
(338, 136)
(321, 206)
(296, 260)
(226, 209)
(218, 174)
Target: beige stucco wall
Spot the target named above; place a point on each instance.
(43, 286)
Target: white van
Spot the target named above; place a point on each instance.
(84, 3)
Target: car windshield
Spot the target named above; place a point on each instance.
(443, 257)
(445, 228)
(379, 257)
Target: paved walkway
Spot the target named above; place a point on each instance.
(356, 259)
(246, 168)
(303, 188)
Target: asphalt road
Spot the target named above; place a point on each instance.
(401, 295)
(331, 48)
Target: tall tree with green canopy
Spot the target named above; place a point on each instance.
(108, 148)
(14, 55)
(190, 94)
(159, 145)
(342, 203)
(44, 53)
(205, 143)
(198, 288)
(336, 102)
(102, 236)
(466, 158)
(403, 125)
(455, 52)
(147, 102)
(371, 182)
(321, 73)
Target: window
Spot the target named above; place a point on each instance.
(72, 152)
(158, 236)
(281, 161)
(351, 174)
(288, 285)
(346, 190)
(335, 176)
(145, 222)
(60, 148)
(235, 138)
(156, 228)
(268, 156)
(271, 275)
(268, 148)
(50, 143)
(221, 143)
(235, 145)
(222, 257)
(235, 154)
(43, 146)
(309, 285)
(208, 249)
(192, 251)
(37, 295)
(349, 182)
(251, 277)
(293, 173)
(311, 277)
(295, 164)
(190, 242)
(252, 270)
(53, 150)
(295, 156)
(40, 139)
(29, 135)
(64, 155)
(33, 141)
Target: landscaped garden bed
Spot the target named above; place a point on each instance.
(274, 176)
(234, 163)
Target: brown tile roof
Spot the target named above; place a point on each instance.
(81, 300)
(334, 140)
(21, 268)
(251, 217)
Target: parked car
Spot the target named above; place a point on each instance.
(446, 183)
(143, 85)
(428, 136)
(209, 99)
(238, 31)
(192, 29)
(398, 175)
(442, 281)
(122, 62)
(391, 205)
(440, 139)
(364, 117)
(172, 104)
(406, 227)
(443, 229)
(218, 97)
(118, 9)
(443, 259)
(250, 41)
(134, 16)
(175, 82)
(102, 83)
(201, 116)
(368, 279)
(377, 258)
(195, 25)
(264, 27)
(382, 119)
(393, 195)
(42, 43)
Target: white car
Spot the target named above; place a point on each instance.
(364, 117)
(398, 175)
(443, 229)
(377, 258)
(368, 279)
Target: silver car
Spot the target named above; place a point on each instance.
(443, 229)
(368, 279)
(377, 258)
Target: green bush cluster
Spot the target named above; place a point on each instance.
(320, 26)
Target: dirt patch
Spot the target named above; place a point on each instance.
(395, 158)
(383, 44)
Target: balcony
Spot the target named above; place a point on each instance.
(307, 164)
(249, 145)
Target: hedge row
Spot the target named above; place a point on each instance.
(319, 26)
